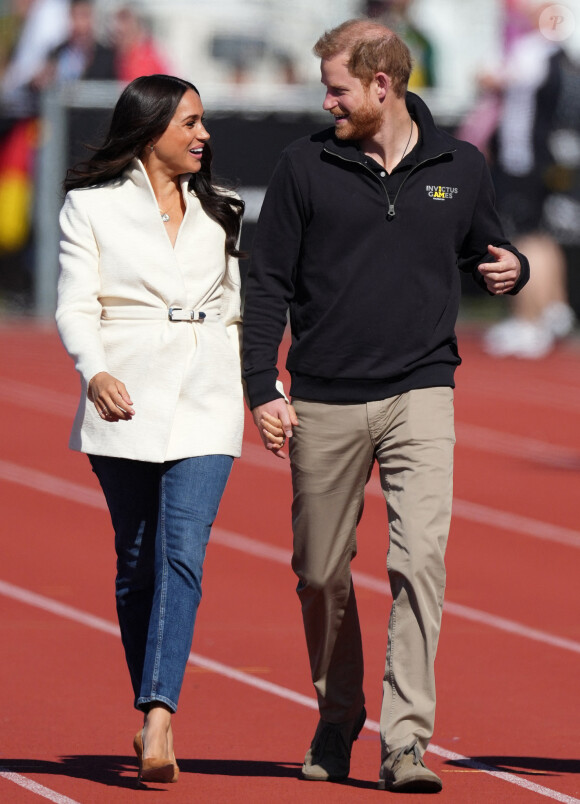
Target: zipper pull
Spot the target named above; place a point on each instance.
(391, 212)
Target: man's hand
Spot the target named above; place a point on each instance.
(110, 398)
(502, 274)
(274, 421)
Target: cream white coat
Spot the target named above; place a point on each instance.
(117, 265)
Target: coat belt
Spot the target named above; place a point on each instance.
(136, 313)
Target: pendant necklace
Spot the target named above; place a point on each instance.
(165, 217)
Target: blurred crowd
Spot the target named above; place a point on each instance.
(396, 15)
(46, 43)
(525, 118)
(527, 121)
(43, 42)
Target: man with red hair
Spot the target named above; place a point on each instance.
(361, 235)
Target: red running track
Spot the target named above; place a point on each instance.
(509, 657)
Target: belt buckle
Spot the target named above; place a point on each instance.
(179, 314)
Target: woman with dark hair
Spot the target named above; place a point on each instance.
(149, 309)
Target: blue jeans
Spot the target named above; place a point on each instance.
(162, 516)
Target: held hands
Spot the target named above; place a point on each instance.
(502, 274)
(274, 421)
(110, 398)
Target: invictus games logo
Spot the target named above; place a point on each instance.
(439, 192)
(557, 22)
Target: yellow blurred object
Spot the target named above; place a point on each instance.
(418, 78)
(15, 198)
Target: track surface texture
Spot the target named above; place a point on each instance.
(509, 656)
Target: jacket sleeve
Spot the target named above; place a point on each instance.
(270, 283)
(78, 310)
(486, 229)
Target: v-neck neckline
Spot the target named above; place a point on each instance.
(140, 177)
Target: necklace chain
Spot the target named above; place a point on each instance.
(165, 217)
(408, 141)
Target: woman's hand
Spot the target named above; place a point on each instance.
(274, 421)
(273, 431)
(110, 398)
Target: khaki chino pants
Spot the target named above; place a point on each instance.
(332, 453)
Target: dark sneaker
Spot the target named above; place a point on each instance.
(328, 758)
(404, 771)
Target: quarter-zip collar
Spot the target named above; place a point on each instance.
(432, 141)
(432, 144)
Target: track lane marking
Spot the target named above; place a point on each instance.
(35, 787)
(522, 388)
(470, 436)
(479, 438)
(484, 439)
(472, 512)
(100, 624)
(259, 549)
(75, 492)
(462, 509)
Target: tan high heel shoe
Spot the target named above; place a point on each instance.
(175, 765)
(154, 769)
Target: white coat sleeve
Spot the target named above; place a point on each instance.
(78, 310)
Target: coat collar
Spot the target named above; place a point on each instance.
(136, 173)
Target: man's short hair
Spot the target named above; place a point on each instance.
(371, 48)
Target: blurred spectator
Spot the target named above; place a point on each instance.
(256, 43)
(136, 52)
(57, 44)
(41, 25)
(529, 87)
(516, 21)
(240, 51)
(29, 30)
(395, 14)
(11, 23)
(244, 53)
(81, 55)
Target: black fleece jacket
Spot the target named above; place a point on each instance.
(373, 295)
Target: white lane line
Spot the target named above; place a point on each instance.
(34, 787)
(30, 396)
(472, 436)
(253, 547)
(523, 390)
(40, 481)
(483, 439)
(472, 512)
(504, 520)
(100, 624)
(480, 438)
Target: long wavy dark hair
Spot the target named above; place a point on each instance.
(142, 113)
